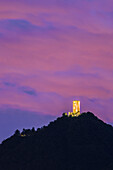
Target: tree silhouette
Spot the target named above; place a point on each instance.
(17, 133)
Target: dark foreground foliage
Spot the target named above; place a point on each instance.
(68, 143)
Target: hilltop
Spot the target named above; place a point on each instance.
(68, 143)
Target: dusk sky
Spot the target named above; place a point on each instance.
(51, 53)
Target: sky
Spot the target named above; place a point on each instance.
(51, 53)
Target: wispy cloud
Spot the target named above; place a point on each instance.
(9, 84)
(28, 91)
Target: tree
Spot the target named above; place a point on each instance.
(64, 114)
(17, 133)
(33, 129)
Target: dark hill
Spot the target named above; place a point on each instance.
(68, 143)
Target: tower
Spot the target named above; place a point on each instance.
(76, 108)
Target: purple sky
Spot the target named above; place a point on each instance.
(51, 53)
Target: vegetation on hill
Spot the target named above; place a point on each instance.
(68, 143)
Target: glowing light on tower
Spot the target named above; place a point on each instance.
(76, 108)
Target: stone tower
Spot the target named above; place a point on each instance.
(76, 108)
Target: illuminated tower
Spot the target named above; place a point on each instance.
(76, 108)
